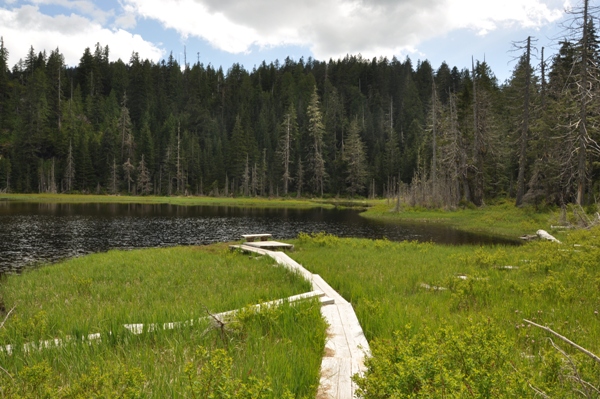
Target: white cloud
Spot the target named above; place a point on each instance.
(86, 7)
(27, 26)
(333, 28)
(125, 21)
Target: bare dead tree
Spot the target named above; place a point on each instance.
(128, 169)
(581, 98)
(284, 150)
(477, 159)
(114, 179)
(246, 177)
(299, 177)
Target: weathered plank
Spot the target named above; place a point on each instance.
(270, 245)
(336, 344)
(284, 260)
(247, 248)
(224, 316)
(252, 237)
(336, 379)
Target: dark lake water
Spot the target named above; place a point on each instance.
(32, 233)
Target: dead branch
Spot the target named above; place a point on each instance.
(1, 326)
(6, 317)
(565, 339)
(539, 392)
(547, 236)
(575, 375)
(219, 324)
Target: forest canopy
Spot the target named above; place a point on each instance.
(348, 127)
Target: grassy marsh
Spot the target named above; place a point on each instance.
(192, 200)
(500, 219)
(391, 286)
(280, 348)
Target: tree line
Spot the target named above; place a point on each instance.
(348, 127)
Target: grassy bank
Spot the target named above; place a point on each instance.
(448, 341)
(499, 219)
(274, 351)
(216, 201)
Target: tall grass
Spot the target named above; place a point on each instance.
(279, 347)
(552, 284)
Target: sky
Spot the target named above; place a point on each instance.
(248, 32)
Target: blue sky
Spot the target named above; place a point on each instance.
(223, 32)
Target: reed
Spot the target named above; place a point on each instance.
(392, 286)
(278, 349)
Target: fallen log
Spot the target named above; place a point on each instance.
(547, 236)
(528, 237)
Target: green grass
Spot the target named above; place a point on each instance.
(280, 347)
(554, 285)
(192, 200)
(500, 219)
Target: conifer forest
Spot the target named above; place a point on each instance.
(443, 135)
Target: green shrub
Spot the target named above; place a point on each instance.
(448, 362)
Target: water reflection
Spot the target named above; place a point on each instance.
(32, 233)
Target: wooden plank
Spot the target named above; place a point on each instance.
(336, 343)
(284, 260)
(336, 379)
(325, 300)
(345, 379)
(270, 245)
(354, 334)
(252, 237)
(247, 248)
(328, 383)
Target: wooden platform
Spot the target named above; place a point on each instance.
(262, 241)
(253, 237)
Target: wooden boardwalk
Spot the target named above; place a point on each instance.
(346, 345)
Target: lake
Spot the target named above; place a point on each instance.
(33, 233)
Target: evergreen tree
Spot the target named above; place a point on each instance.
(316, 130)
(144, 185)
(125, 129)
(5, 100)
(354, 157)
(5, 169)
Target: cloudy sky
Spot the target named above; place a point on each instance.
(221, 32)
